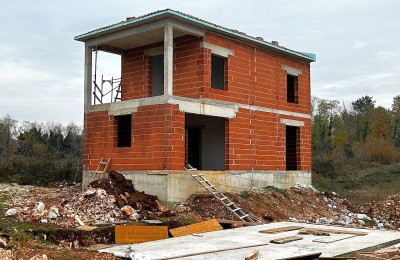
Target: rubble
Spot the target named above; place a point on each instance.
(108, 200)
(385, 213)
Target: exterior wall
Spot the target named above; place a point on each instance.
(157, 140)
(254, 140)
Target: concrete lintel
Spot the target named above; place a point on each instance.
(154, 51)
(125, 33)
(292, 122)
(130, 106)
(87, 79)
(186, 28)
(110, 49)
(274, 111)
(200, 107)
(220, 51)
(168, 58)
(292, 71)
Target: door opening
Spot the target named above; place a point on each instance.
(292, 148)
(193, 147)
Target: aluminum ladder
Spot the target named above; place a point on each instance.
(238, 212)
(102, 164)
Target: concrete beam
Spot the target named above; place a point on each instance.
(168, 58)
(220, 51)
(87, 79)
(292, 71)
(110, 49)
(292, 122)
(125, 33)
(186, 28)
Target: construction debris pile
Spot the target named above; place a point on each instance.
(105, 201)
(386, 212)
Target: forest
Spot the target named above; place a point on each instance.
(354, 145)
(39, 153)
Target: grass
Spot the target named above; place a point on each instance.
(365, 185)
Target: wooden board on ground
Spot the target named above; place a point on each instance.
(202, 227)
(86, 227)
(229, 221)
(253, 256)
(139, 234)
(284, 240)
(333, 238)
(333, 231)
(281, 229)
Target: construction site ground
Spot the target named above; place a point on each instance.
(39, 222)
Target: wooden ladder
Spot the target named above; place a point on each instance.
(238, 212)
(102, 164)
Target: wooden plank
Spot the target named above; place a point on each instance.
(284, 240)
(202, 227)
(229, 221)
(139, 234)
(333, 238)
(333, 231)
(253, 256)
(281, 229)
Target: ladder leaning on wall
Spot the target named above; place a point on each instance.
(101, 167)
(232, 207)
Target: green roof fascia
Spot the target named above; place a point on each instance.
(309, 56)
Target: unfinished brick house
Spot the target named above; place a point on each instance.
(195, 93)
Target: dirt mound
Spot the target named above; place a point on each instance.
(126, 195)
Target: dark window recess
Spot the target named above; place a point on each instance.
(157, 75)
(193, 147)
(124, 130)
(292, 89)
(292, 148)
(218, 72)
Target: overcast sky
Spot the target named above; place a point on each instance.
(41, 67)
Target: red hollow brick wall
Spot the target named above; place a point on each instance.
(157, 140)
(254, 140)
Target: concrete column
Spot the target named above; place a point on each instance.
(88, 79)
(168, 59)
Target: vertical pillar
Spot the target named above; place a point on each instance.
(88, 78)
(168, 59)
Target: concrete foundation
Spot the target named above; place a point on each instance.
(175, 186)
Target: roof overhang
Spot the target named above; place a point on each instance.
(149, 28)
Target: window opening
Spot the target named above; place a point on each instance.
(124, 130)
(218, 72)
(292, 88)
(157, 75)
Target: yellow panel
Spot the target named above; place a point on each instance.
(139, 234)
(202, 227)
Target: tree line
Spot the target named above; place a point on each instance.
(353, 136)
(39, 153)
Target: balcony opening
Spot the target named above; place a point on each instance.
(106, 77)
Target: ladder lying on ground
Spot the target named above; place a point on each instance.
(102, 164)
(238, 212)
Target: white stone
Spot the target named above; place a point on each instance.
(39, 207)
(11, 212)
